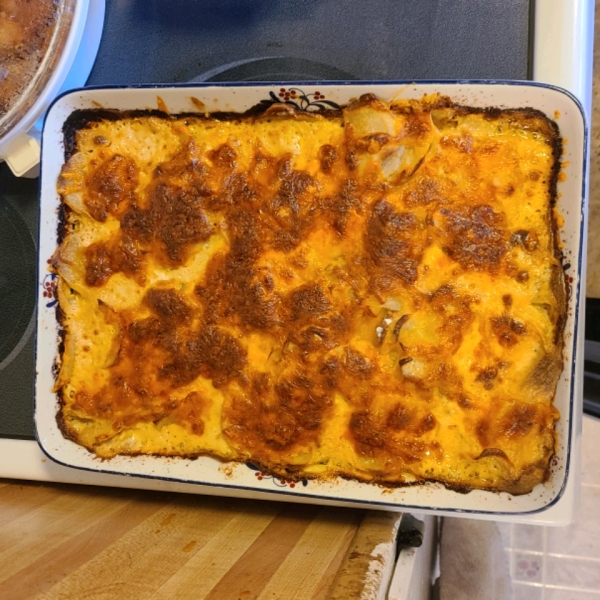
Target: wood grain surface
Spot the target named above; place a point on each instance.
(63, 541)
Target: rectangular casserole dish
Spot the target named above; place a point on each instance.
(553, 102)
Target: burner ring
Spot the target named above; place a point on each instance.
(17, 283)
(275, 68)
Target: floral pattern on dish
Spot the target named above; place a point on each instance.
(278, 481)
(312, 102)
(49, 284)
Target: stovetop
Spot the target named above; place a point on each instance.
(296, 40)
(152, 41)
(18, 240)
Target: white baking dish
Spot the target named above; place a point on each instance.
(555, 102)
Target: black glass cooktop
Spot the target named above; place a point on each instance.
(153, 41)
(591, 365)
(18, 240)
(261, 40)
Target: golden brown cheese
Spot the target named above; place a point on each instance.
(373, 293)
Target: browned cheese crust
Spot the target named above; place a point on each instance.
(373, 293)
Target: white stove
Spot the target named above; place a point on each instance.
(562, 51)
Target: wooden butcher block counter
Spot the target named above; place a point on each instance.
(79, 542)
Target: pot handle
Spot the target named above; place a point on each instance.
(23, 156)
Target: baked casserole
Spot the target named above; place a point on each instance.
(373, 292)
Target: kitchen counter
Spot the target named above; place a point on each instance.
(68, 541)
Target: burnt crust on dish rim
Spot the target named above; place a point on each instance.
(85, 118)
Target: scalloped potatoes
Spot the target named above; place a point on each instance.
(374, 293)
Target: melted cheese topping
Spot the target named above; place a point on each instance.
(373, 293)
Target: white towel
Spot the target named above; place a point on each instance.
(473, 561)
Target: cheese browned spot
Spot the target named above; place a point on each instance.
(374, 293)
